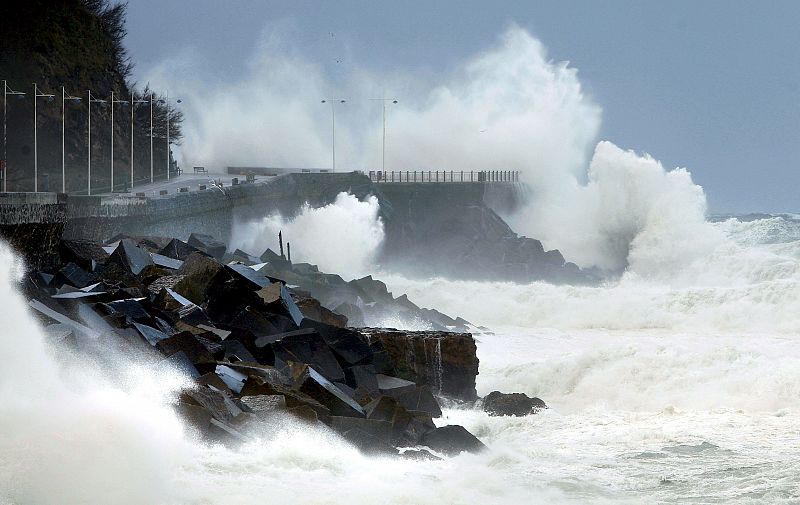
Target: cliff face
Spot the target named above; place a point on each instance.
(76, 44)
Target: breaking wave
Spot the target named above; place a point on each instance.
(343, 237)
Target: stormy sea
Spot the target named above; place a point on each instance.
(676, 388)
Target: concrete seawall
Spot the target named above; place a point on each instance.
(33, 223)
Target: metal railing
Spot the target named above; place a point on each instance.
(444, 176)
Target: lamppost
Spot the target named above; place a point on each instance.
(383, 147)
(37, 93)
(169, 158)
(151, 137)
(133, 106)
(64, 98)
(7, 91)
(112, 102)
(333, 101)
(89, 164)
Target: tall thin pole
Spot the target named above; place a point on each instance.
(5, 150)
(35, 142)
(133, 107)
(168, 156)
(383, 146)
(151, 137)
(333, 133)
(89, 157)
(63, 156)
(112, 142)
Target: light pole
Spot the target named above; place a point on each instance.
(89, 157)
(333, 101)
(37, 93)
(112, 102)
(383, 146)
(133, 106)
(7, 91)
(64, 98)
(169, 158)
(151, 137)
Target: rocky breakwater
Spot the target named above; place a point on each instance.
(255, 347)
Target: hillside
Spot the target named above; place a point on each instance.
(77, 44)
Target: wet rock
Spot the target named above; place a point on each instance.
(452, 440)
(278, 300)
(362, 376)
(130, 308)
(129, 257)
(84, 253)
(348, 345)
(197, 271)
(310, 348)
(312, 383)
(369, 435)
(394, 386)
(186, 343)
(353, 313)
(180, 362)
(312, 309)
(178, 249)
(259, 386)
(207, 244)
(511, 404)
(75, 276)
(236, 351)
(232, 378)
(419, 399)
(152, 335)
(257, 280)
(418, 455)
(266, 405)
(448, 362)
(407, 427)
(166, 261)
(243, 257)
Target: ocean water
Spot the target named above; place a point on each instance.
(663, 387)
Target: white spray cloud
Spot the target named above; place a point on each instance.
(343, 237)
(508, 108)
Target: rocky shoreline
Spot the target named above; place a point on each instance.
(259, 341)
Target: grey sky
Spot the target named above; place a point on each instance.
(713, 86)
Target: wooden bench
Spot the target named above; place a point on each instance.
(200, 170)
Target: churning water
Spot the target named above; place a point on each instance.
(662, 390)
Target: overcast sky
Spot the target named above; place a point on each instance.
(713, 86)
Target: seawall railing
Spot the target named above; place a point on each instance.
(443, 176)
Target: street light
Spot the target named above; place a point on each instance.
(89, 165)
(167, 102)
(133, 106)
(112, 102)
(64, 98)
(383, 147)
(333, 101)
(37, 93)
(7, 91)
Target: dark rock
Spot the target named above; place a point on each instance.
(452, 440)
(448, 362)
(419, 399)
(279, 301)
(259, 386)
(379, 433)
(257, 280)
(407, 427)
(418, 455)
(198, 271)
(84, 253)
(347, 344)
(363, 376)
(166, 261)
(267, 405)
(394, 386)
(186, 343)
(75, 276)
(129, 257)
(312, 309)
(177, 249)
(236, 351)
(312, 383)
(311, 349)
(353, 313)
(278, 261)
(243, 257)
(152, 335)
(232, 378)
(207, 244)
(129, 308)
(180, 362)
(511, 404)
(194, 415)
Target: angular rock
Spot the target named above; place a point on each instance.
(75, 276)
(394, 386)
(166, 261)
(311, 349)
(353, 313)
(407, 427)
(84, 253)
(129, 257)
(347, 344)
(257, 280)
(236, 351)
(233, 379)
(419, 399)
(379, 432)
(312, 383)
(180, 362)
(312, 309)
(198, 271)
(278, 300)
(152, 335)
(207, 244)
(511, 404)
(452, 440)
(177, 249)
(362, 376)
(266, 405)
(186, 343)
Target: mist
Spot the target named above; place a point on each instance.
(509, 107)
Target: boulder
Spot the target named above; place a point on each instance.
(196, 352)
(347, 344)
(419, 399)
(256, 280)
(197, 271)
(278, 300)
(75, 276)
(448, 362)
(369, 435)
(129, 257)
(511, 404)
(452, 440)
(84, 253)
(353, 313)
(311, 349)
(207, 244)
(177, 249)
(407, 427)
(312, 309)
(312, 383)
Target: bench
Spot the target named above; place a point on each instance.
(200, 170)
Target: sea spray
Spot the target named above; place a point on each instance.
(70, 436)
(343, 237)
